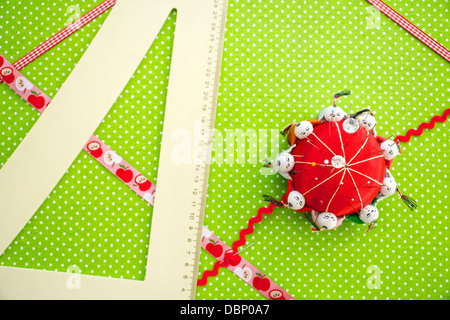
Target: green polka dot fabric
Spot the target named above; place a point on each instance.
(282, 61)
(91, 222)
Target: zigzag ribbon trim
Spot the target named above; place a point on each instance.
(211, 273)
(242, 241)
(249, 230)
(424, 125)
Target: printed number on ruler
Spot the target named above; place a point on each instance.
(202, 150)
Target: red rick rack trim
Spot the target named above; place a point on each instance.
(250, 227)
(424, 125)
(238, 243)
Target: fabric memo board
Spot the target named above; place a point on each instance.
(282, 60)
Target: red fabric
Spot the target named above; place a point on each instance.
(289, 189)
(329, 196)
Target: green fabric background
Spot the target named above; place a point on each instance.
(282, 61)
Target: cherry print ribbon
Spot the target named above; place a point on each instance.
(247, 272)
(411, 28)
(63, 34)
(95, 147)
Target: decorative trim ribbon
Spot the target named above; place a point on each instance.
(411, 28)
(64, 34)
(22, 86)
(424, 125)
(146, 190)
(247, 272)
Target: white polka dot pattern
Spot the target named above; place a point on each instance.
(282, 61)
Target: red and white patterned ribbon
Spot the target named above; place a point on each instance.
(95, 147)
(242, 268)
(22, 86)
(411, 28)
(63, 34)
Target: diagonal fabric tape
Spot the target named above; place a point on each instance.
(411, 28)
(63, 34)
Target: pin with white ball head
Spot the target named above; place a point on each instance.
(296, 200)
(326, 220)
(370, 187)
(369, 213)
(357, 187)
(390, 149)
(313, 144)
(303, 129)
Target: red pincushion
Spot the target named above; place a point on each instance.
(344, 190)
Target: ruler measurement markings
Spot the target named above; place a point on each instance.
(202, 167)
